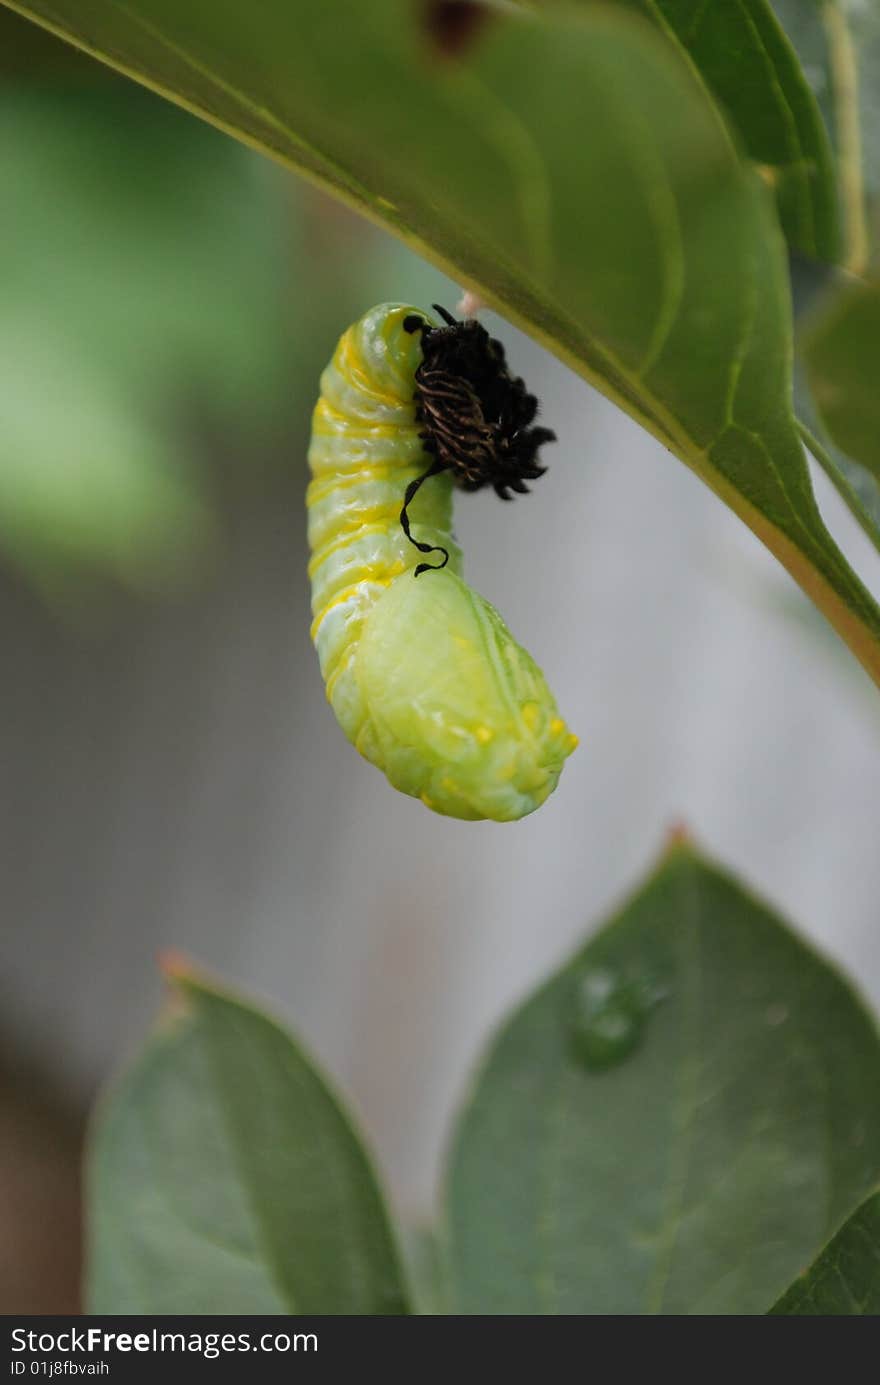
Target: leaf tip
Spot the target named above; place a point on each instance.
(173, 964)
(678, 838)
(186, 979)
(181, 972)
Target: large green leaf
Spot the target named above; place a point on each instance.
(838, 42)
(842, 354)
(858, 488)
(845, 1279)
(675, 1123)
(224, 1178)
(569, 165)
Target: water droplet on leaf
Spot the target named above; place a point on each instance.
(609, 1014)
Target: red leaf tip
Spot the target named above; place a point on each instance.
(678, 834)
(174, 965)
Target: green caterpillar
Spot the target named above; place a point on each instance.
(422, 673)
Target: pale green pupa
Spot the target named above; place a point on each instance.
(423, 675)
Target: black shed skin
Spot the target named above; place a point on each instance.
(478, 418)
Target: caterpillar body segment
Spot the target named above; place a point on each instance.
(480, 735)
(421, 672)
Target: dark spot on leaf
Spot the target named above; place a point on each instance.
(453, 25)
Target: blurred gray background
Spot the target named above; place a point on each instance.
(172, 775)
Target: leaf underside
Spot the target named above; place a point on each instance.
(842, 355)
(746, 61)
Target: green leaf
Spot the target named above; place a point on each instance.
(29, 54)
(224, 1178)
(838, 42)
(858, 488)
(675, 1123)
(842, 354)
(835, 393)
(845, 1279)
(748, 64)
(571, 167)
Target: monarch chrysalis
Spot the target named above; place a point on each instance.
(423, 675)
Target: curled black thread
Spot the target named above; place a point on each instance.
(412, 489)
